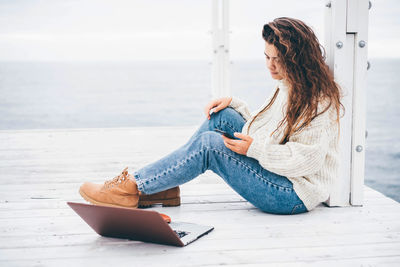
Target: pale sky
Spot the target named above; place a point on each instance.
(162, 29)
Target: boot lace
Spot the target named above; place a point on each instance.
(117, 179)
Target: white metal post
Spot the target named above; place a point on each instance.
(359, 26)
(346, 26)
(337, 47)
(220, 42)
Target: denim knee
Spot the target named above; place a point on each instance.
(226, 112)
(210, 139)
(229, 119)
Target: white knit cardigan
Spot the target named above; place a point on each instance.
(309, 159)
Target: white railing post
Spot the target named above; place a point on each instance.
(359, 25)
(220, 44)
(346, 27)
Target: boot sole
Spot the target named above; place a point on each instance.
(88, 199)
(171, 202)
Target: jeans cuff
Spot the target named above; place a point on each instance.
(139, 182)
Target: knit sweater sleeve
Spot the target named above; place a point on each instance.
(241, 107)
(302, 155)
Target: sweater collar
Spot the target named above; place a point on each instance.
(283, 86)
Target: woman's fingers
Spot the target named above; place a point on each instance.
(229, 141)
(218, 108)
(207, 110)
(238, 146)
(241, 136)
(217, 105)
(233, 145)
(210, 106)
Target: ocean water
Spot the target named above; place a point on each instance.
(45, 95)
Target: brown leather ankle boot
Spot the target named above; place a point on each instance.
(121, 191)
(168, 198)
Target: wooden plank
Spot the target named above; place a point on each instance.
(367, 261)
(8, 215)
(232, 219)
(274, 236)
(188, 201)
(227, 252)
(207, 182)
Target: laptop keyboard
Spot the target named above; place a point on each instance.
(181, 234)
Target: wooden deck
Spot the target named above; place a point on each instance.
(42, 169)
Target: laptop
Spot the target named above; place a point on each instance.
(138, 224)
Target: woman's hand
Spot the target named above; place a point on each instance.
(238, 146)
(217, 104)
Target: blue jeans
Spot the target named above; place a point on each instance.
(206, 150)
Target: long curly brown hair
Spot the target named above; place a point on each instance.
(302, 59)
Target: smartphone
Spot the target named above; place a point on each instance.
(224, 133)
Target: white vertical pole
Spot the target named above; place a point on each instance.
(346, 24)
(220, 43)
(359, 25)
(340, 61)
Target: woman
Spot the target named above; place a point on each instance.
(282, 158)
